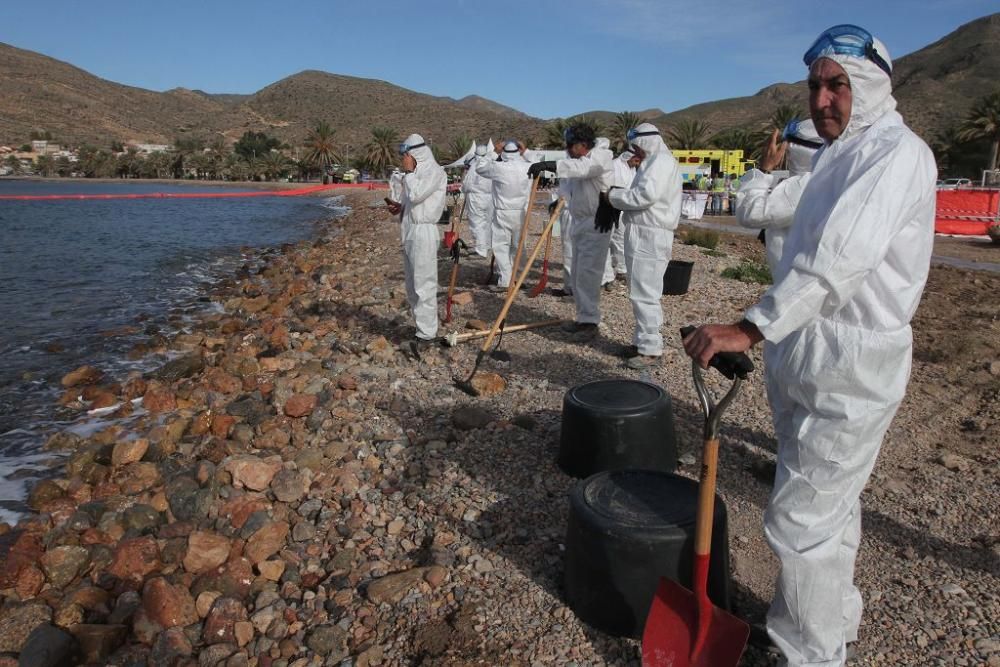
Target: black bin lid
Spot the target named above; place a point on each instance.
(642, 498)
(617, 395)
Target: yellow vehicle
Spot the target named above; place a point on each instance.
(710, 161)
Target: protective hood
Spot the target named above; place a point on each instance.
(481, 150)
(626, 156)
(602, 142)
(871, 90)
(420, 153)
(798, 158)
(511, 151)
(647, 137)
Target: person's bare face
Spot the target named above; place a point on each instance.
(830, 98)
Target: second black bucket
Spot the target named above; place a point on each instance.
(627, 528)
(617, 423)
(677, 277)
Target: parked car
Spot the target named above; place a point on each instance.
(954, 183)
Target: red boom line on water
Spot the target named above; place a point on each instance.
(198, 195)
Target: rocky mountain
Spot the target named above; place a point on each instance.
(935, 86)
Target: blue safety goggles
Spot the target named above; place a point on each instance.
(633, 134)
(846, 40)
(791, 135)
(405, 148)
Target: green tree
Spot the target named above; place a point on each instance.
(63, 166)
(45, 165)
(983, 122)
(117, 147)
(740, 139)
(14, 165)
(554, 131)
(275, 165)
(253, 144)
(457, 147)
(320, 150)
(688, 134)
(623, 122)
(41, 135)
(783, 115)
(381, 150)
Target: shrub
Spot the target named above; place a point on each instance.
(713, 253)
(749, 272)
(705, 238)
(994, 232)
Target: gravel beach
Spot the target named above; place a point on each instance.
(293, 488)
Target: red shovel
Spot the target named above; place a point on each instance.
(544, 280)
(684, 628)
(451, 235)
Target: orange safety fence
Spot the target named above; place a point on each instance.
(966, 212)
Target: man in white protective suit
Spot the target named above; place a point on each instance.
(423, 199)
(763, 202)
(587, 173)
(479, 205)
(624, 168)
(510, 187)
(836, 326)
(651, 209)
(566, 236)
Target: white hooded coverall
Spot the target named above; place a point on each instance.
(585, 178)
(623, 179)
(651, 210)
(762, 204)
(511, 187)
(479, 206)
(838, 348)
(566, 235)
(423, 202)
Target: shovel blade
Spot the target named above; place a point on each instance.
(448, 240)
(542, 282)
(672, 628)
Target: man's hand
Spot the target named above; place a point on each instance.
(772, 152)
(409, 163)
(711, 339)
(394, 206)
(539, 167)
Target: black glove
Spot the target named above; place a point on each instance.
(456, 247)
(539, 167)
(552, 207)
(607, 215)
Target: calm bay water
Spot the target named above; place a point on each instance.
(72, 270)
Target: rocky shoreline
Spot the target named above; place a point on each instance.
(293, 490)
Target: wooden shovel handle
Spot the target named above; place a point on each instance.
(520, 280)
(524, 226)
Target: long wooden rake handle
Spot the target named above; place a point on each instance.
(524, 228)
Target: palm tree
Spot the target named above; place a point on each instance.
(623, 122)
(554, 131)
(983, 122)
(380, 152)
(458, 146)
(14, 165)
(783, 115)
(275, 165)
(319, 146)
(45, 165)
(688, 134)
(740, 139)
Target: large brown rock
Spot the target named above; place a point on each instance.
(220, 624)
(300, 405)
(129, 451)
(266, 541)
(159, 398)
(168, 605)
(392, 587)
(18, 622)
(135, 558)
(82, 375)
(97, 642)
(488, 384)
(252, 472)
(206, 551)
(63, 564)
(138, 477)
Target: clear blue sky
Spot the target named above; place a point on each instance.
(547, 58)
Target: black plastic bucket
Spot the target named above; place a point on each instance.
(677, 277)
(627, 528)
(617, 423)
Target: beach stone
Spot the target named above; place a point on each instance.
(179, 368)
(392, 587)
(19, 621)
(222, 425)
(215, 654)
(470, 417)
(168, 605)
(98, 641)
(252, 472)
(347, 382)
(205, 601)
(222, 382)
(288, 486)
(169, 646)
(252, 410)
(43, 493)
(462, 298)
(206, 551)
(187, 500)
(220, 624)
(48, 646)
(138, 477)
(328, 641)
(477, 325)
(68, 615)
(234, 579)
(435, 575)
(266, 541)
(243, 631)
(82, 375)
(64, 440)
(303, 531)
(141, 518)
(29, 582)
(159, 399)
(271, 569)
(488, 384)
(300, 405)
(129, 451)
(135, 558)
(953, 462)
(380, 349)
(63, 564)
